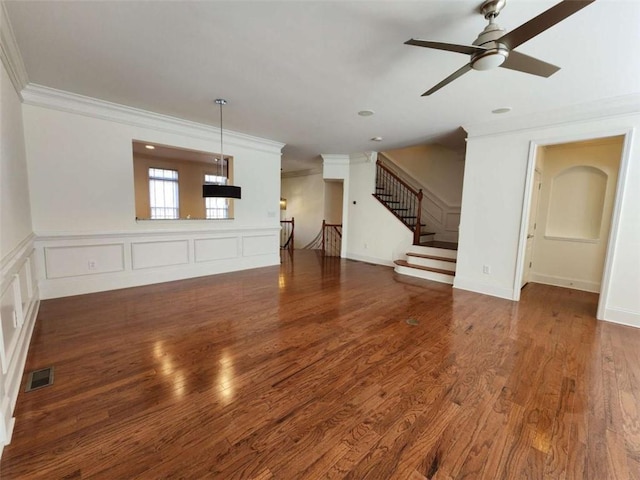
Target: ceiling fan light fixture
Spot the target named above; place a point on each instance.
(490, 59)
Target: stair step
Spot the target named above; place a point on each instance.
(404, 263)
(431, 257)
(427, 273)
(435, 251)
(384, 195)
(439, 244)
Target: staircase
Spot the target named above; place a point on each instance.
(426, 258)
(403, 201)
(432, 261)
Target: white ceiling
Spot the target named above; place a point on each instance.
(299, 71)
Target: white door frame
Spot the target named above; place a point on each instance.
(615, 217)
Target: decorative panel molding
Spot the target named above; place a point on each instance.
(210, 249)
(19, 304)
(10, 322)
(141, 258)
(258, 245)
(78, 260)
(159, 254)
(452, 222)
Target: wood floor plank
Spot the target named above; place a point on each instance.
(310, 370)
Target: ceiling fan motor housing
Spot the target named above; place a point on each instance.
(496, 52)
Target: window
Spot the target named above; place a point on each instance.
(216, 207)
(163, 193)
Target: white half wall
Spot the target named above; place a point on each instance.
(77, 264)
(80, 166)
(498, 174)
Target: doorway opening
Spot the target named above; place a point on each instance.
(574, 187)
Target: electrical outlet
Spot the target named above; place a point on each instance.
(486, 269)
(91, 264)
(365, 245)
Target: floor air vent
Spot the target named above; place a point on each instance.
(40, 378)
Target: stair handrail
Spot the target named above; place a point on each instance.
(394, 175)
(333, 226)
(417, 193)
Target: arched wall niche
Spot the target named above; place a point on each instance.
(576, 203)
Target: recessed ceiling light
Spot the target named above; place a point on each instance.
(150, 147)
(366, 113)
(376, 139)
(501, 110)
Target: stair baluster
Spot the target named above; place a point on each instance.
(400, 198)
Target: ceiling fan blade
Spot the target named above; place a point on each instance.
(524, 63)
(449, 79)
(449, 47)
(542, 22)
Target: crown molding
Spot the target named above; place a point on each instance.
(301, 173)
(362, 157)
(10, 53)
(334, 159)
(60, 100)
(599, 109)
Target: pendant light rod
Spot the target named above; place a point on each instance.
(221, 102)
(221, 190)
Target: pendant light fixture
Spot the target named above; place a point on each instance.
(219, 190)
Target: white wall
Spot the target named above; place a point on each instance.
(333, 200)
(79, 157)
(498, 171)
(18, 288)
(15, 212)
(571, 243)
(374, 234)
(305, 203)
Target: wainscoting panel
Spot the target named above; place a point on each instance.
(258, 245)
(19, 304)
(159, 254)
(10, 323)
(73, 261)
(452, 221)
(210, 249)
(129, 259)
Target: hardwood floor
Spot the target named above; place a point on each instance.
(311, 371)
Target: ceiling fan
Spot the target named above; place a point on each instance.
(494, 47)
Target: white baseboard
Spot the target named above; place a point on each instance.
(483, 288)
(576, 284)
(366, 259)
(622, 316)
